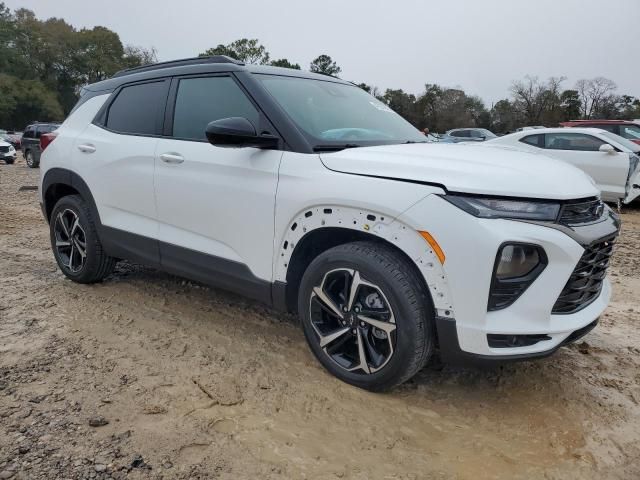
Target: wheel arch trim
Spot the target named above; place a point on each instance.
(63, 176)
(377, 225)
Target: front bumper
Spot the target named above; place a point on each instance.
(451, 353)
(471, 245)
(8, 156)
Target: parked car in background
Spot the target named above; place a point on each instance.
(14, 138)
(625, 128)
(534, 127)
(470, 134)
(309, 194)
(33, 143)
(612, 161)
(7, 152)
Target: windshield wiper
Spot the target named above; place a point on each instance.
(334, 148)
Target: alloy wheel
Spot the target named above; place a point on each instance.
(353, 321)
(70, 240)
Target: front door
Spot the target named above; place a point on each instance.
(215, 205)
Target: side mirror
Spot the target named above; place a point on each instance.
(237, 132)
(607, 148)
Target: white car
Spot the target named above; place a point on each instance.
(612, 161)
(308, 194)
(7, 152)
(533, 127)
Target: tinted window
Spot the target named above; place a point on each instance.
(532, 140)
(136, 109)
(632, 132)
(572, 141)
(460, 133)
(203, 100)
(29, 133)
(45, 129)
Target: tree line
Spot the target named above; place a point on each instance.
(44, 64)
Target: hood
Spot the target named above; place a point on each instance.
(464, 168)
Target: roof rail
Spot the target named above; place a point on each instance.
(178, 63)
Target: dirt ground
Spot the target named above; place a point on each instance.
(149, 376)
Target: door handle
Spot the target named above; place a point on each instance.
(86, 148)
(171, 158)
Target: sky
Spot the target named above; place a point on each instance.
(481, 46)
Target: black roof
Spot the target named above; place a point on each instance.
(197, 65)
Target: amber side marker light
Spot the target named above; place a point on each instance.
(434, 245)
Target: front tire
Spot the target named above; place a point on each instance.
(366, 315)
(75, 242)
(9, 161)
(30, 159)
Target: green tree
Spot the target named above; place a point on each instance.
(23, 101)
(283, 62)
(570, 105)
(325, 65)
(246, 50)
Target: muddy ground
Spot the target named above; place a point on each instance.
(150, 376)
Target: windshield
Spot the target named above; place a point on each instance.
(634, 147)
(340, 115)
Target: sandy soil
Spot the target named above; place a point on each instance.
(150, 376)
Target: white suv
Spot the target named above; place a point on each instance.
(306, 193)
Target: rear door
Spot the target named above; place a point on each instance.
(115, 156)
(609, 170)
(215, 205)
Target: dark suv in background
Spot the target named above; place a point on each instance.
(32, 141)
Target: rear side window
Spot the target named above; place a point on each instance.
(203, 100)
(136, 109)
(572, 141)
(461, 133)
(45, 129)
(29, 133)
(534, 140)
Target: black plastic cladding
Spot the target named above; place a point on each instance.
(512, 288)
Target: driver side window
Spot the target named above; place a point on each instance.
(203, 100)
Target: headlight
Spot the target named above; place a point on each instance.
(487, 207)
(11, 149)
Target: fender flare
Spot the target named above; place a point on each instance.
(63, 176)
(377, 224)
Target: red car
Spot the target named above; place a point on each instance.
(624, 128)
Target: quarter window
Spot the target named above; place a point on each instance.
(533, 140)
(203, 100)
(136, 109)
(572, 141)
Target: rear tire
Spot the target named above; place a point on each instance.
(30, 159)
(75, 242)
(388, 322)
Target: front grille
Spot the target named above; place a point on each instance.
(581, 212)
(585, 282)
(4, 148)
